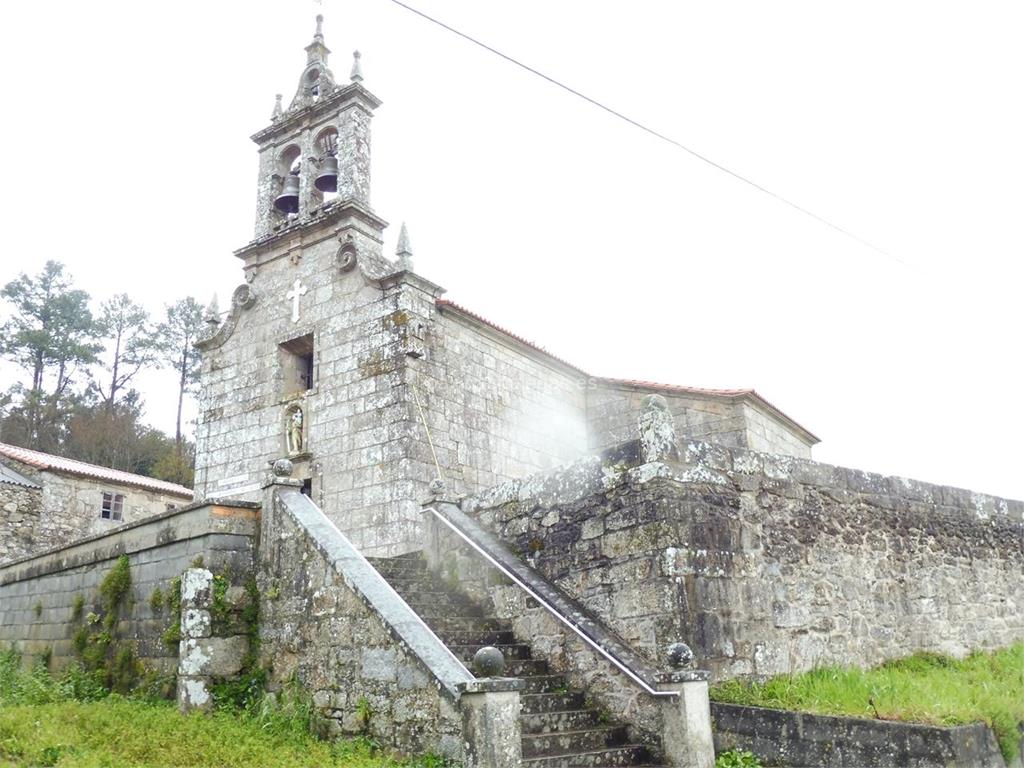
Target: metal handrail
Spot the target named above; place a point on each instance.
(544, 601)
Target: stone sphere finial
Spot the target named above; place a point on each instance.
(488, 662)
(282, 468)
(680, 655)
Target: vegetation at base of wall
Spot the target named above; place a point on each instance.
(924, 688)
(737, 758)
(71, 723)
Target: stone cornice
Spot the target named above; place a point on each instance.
(330, 213)
(289, 122)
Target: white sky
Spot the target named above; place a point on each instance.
(127, 155)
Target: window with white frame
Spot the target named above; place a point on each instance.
(112, 506)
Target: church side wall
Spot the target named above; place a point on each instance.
(612, 413)
(495, 411)
(767, 435)
(767, 564)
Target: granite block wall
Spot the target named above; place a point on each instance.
(38, 595)
(767, 564)
(317, 630)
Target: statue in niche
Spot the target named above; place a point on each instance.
(293, 431)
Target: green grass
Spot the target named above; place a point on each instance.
(71, 721)
(923, 688)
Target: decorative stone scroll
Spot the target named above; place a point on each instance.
(243, 298)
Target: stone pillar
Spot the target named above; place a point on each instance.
(196, 624)
(490, 723)
(686, 720)
(203, 653)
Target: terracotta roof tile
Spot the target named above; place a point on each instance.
(52, 463)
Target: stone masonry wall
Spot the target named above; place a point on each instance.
(38, 595)
(317, 631)
(20, 519)
(67, 508)
(612, 412)
(767, 564)
(495, 411)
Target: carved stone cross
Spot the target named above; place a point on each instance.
(298, 290)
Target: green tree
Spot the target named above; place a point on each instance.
(132, 345)
(52, 336)
(176, 338)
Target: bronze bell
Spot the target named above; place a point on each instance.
(327, 181)
(288, 200)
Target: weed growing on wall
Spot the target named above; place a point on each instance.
(111, 662)
(248, 688)
(77, 607)
(172, 600)
(737, 758)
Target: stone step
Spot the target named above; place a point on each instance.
(510, 652)
(536, 703)
(526, 667)
(544, 684)
(562, 742)
(445, 625)
(560, 720)
(477, 638)
(612, 757)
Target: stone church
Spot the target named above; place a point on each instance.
(457, 543)
(355, 367)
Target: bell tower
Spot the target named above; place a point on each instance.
(314, 157)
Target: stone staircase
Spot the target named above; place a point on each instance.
(559, 729)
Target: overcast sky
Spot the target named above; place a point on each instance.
(127, 154)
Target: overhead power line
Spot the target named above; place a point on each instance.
(651, 131)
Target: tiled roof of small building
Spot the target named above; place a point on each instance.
(9, 477)
(670, 388)
(53, 463)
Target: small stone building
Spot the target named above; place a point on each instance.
(352, 364)
(48, 501)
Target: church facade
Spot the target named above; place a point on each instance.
(355, 367)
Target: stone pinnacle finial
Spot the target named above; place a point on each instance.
(319, 27)
(278, 109)
(356, 76)
(404, 250)
(212, 316)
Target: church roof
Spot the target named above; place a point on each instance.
(732, 394)
(60, 464)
